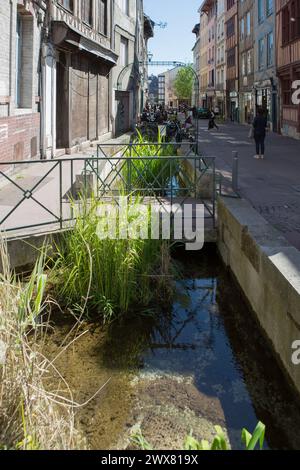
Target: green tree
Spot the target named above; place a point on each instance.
(183, 84)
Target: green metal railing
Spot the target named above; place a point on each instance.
(115, 170)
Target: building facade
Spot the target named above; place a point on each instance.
(196, 63)
(221, 59)
(207, 45)
(203, 63)
(288, 63)
(60, 61)
(132, 30)
(21, 25)
(265, 80)
(77, 56)
(246, 61)
(161, 88)
(232, 59)
(166, 91)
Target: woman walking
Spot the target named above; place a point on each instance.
(259, 133)
(212, 123)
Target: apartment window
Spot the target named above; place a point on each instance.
(67, 4)
(286, 91)
(261, 49)
(102, 16)
(270, 49)
(86, 11)
(242, 28)
(230, 28)
(260, 9)
(243, 64)
(291, 22)
(285, 25)
(231, 57)
(248, 24)
(269, 7)
(24, 61)
(249, 62)
(124, 5)
(123, 52)
(230, 4)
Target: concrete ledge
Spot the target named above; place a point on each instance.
(268, 271)
(24, 251)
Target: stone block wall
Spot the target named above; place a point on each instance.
(268, 270)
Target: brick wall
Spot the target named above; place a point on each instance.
(19, 137)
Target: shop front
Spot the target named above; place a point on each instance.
(233, 106)
(246, 107)
(266, 98)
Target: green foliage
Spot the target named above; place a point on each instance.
(139, 441)
(108, 276)
(183, 83)
(31, 298)
(28, 442)
(258, 436)
(155, 172)
(219, 443)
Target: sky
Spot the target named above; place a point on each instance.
(176, 41)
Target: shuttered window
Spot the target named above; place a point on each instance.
(86, 11)
(285, 25)
(102, 16)
(68, 4)
(291, 22)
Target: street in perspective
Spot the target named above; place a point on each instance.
(150, 229)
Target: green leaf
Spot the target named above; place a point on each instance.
(258, 436)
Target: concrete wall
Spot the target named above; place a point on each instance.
(268, 271)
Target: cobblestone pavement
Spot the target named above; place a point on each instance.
(271, 185)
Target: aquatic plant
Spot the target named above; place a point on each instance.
(155, 172)
(30, 417)
(109, 276)
(251, 441)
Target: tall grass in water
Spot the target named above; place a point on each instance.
(108, 276)
(156, 171)
(30, 417)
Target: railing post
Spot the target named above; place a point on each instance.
(235, 171)
(128, 174)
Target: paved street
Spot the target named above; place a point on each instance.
(271, 185)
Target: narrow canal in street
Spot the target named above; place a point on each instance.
(202, 364)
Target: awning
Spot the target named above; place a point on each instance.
(67, 37)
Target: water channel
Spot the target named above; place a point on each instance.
(204, 363)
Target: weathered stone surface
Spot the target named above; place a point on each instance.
(268, 271)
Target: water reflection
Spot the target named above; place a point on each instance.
(211, 340)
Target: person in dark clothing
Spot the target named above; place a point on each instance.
(259, 131)
(212, 122)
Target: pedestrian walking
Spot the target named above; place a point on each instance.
(259, 134)
(212, 123)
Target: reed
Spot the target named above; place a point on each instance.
(30, 417)
(154, 172)
(108, 277)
